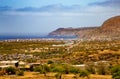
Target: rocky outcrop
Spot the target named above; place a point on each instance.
(80, 32)
(109, 29)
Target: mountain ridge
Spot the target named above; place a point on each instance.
(70, 31)
(109, 29)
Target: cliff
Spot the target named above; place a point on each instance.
(80, 32)
(109, 29)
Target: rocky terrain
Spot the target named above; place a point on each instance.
(109, 29)
(71, 31)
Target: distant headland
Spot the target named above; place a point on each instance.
(110, 29)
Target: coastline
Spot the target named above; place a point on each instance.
(35, 37)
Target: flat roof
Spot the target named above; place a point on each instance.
(14, 61)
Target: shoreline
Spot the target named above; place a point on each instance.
(33, 38)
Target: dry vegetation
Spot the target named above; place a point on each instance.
(80, 52)
(34, 75)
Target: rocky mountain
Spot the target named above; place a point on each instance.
(109, 29)
(71, 31)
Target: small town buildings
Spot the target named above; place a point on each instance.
(12, 63)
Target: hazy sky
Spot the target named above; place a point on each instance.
(44, 16)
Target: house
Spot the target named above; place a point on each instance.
(31, 66)
(12, 63)
(21, 65)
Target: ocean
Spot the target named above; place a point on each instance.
(11, 37)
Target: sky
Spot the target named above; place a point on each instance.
(44, 16)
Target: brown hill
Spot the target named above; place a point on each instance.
(109, 29)
(71, 31)
(64, 32)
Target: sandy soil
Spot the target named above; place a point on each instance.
(34, 75)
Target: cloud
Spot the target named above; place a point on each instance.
(48, 8)
(27, 13)
(62, 10)
(109, 3)
(5, 8)
(57, 15)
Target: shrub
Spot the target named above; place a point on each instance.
(58, 76)
(0, 69)
(50, 62)
(116, 75)
(116, 72)
(46, 68)
(43, 69)
(84, 73)
(74, 70)
(103, 68)
(31, 68)
(20, 73)
(38, 69)
(10, 70)
(58, 68)
(30, 60)
(2, 72)
(64, 68)
(90, 67)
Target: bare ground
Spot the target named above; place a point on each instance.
(34, 75)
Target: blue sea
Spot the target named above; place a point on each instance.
(9, 37)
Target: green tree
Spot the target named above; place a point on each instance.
(60, 69)
(10, 70)
(43, 69)
(74, 70)
(38, 69)
(84, 73)
(103, 68)
(58, 76)
(115, 71)
(20, 73)
(90, 67)
(50, 62)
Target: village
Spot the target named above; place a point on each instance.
(58, 57)
(32, 56)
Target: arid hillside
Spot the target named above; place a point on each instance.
(71, 31)
(109, 29)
